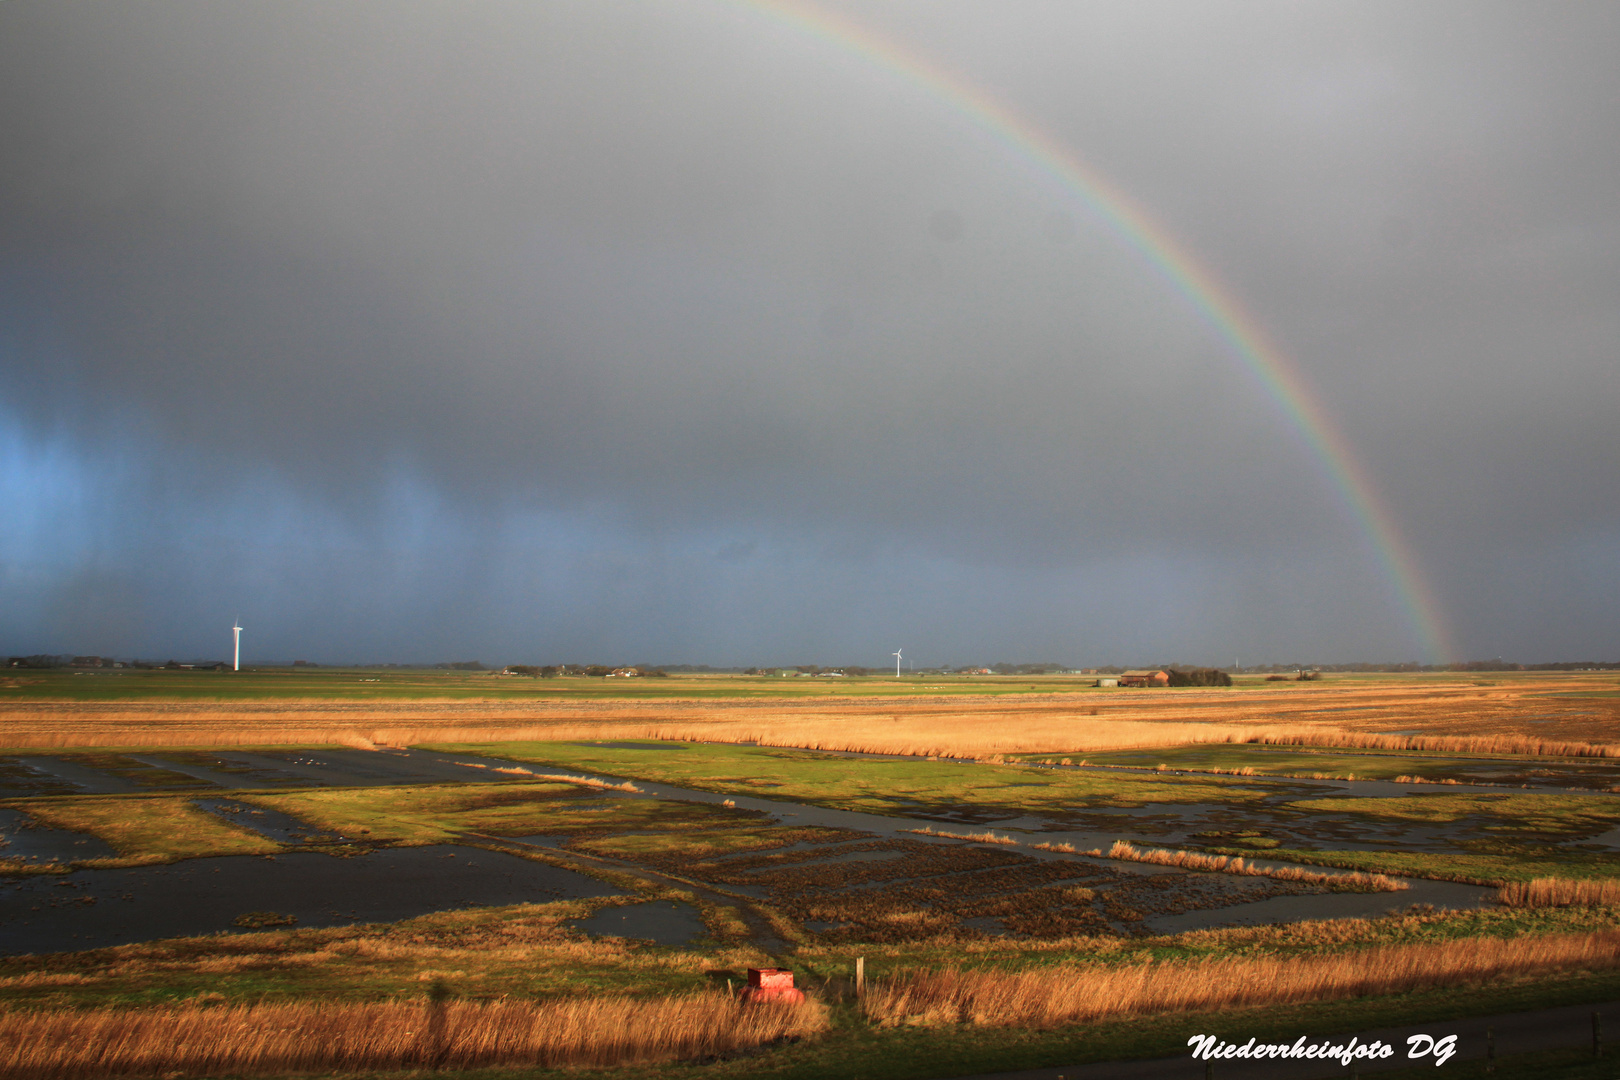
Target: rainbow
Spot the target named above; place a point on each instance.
(1277, 375)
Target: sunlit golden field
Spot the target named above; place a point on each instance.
(1513, 712)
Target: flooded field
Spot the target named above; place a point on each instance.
(841, 874)
(89, 909)
(30, 841)
(598, 864)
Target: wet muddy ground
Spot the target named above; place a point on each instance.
(93, 908)
(660, 921)
(30, 841)
(872, 881)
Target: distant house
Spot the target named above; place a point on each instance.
(624, 673)
(1145, 678)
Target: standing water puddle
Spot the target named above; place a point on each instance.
(27, 839)
(82, 777)
(280, 827)
(660, 921)
(95, 908)
(1281, 909)
(102, 907)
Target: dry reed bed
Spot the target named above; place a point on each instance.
(1195, 860)
(1558, 892)
(1464, 744)
(245, 1039)
(1071, 994)
(979, 728)
(978, 837)
(1234, 864)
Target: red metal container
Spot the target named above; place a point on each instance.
(771, 984)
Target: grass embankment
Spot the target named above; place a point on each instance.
(279, 1038)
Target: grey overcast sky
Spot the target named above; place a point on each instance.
(696, 332)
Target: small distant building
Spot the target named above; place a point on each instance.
(1108, 680)
(624, 673)
(1145, 678)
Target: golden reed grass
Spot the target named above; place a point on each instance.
(954, 728)
(980, 837)
(1071, 994)
(1462, 744)
(1558, 892)
(566, 778)
(1234, 864)
(64, 1044)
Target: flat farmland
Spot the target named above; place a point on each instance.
(1347, 852)
(970, 715)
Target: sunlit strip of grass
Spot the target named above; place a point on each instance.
(1473, 868)
(149, 828)
(1534, 811)
(870, 784)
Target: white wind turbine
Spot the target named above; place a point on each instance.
(236, 632)
(897, 663)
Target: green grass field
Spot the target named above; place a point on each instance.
(383, 684)
(1507, 836)
(1361, 764)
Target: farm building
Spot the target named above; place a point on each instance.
(1145, 678)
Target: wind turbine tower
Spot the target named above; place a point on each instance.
(897, 663)
(236, 632)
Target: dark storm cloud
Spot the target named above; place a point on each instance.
(679, 331)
